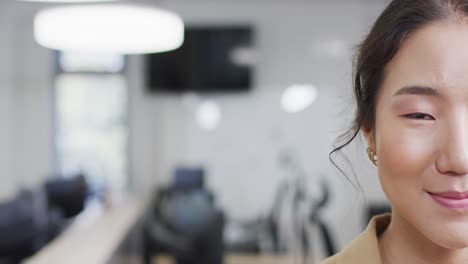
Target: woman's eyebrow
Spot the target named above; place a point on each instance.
(418, 90)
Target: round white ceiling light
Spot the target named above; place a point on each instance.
(123, 29)
(297, 98)
(208, 115)
(67, 1)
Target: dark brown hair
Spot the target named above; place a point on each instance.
(399, 19)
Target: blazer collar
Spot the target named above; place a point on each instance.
(364, 249)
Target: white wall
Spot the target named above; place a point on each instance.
(25, 101)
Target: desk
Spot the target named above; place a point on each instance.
(94, 237)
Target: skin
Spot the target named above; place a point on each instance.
(421, 141)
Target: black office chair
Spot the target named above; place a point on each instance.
(184, 222)
(26, 225)
(67, 194)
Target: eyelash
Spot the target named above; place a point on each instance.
(412, 116)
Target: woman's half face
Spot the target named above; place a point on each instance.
(421, 132)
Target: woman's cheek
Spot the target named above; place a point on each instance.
(403, 151)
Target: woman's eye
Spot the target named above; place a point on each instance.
(420, 116)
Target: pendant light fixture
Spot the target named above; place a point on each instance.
(66, 1)
(124, 29)
(297, 98)
(208, 115)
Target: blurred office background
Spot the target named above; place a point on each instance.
(261, 157)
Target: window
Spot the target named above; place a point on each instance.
(91, 126)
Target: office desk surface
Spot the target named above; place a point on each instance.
(93, 237)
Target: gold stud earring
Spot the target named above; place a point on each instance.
(372, 156)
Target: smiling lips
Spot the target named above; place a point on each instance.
(451, 200)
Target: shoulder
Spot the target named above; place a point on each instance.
(364, 249)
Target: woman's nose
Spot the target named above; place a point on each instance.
(453, 158)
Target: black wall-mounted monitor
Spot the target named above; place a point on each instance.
(204, 63)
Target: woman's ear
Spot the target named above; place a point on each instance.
(369, 134)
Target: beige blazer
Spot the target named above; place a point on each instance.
(364, 249)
